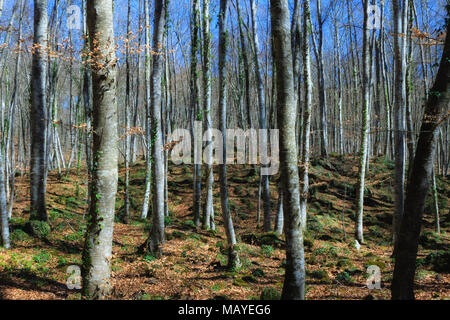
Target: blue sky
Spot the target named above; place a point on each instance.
(180, 11)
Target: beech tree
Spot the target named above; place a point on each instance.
(97, 252)
(307, 109)
(294, 280)
(208, 210)
(436, 112)
(38, 210)
(194, 104)
(233, 257)
(156, 238)
(399, 16)
(365, 126)
(4, 223)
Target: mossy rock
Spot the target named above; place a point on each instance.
(430, 240)
(321, 275)
(385, 218)
(270, 294)
(176, 235)
(336, 231)
(250, 279)
(308, 243)
(440, 261)
(19, 235)
(197, 237)
(188, 224)
(326, 237)
(375, 262)
(344, 277)
(353, 271)
(258, 273)
(40, 229)
(314, 225)
(222, 247)
(344, 263)
(268, 238)
(240, 282)
(312, 260)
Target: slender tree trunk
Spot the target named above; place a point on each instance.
(195, 108)
(126, 205)
(279, 223)
(321, 80)
(97, 253)
(262, 117)
(156, 239)
(436, 203)
(208, 212)
(233, 258)
(307, 108)
(148, 162)
(294, 281)
(364, 128)
(3, 211)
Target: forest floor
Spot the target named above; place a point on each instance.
(193, 260)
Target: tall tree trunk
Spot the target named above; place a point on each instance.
(246, 65)
(148, 162)
(195, 108)
(419, 180)
(294, 281)
(262, 117)
(208, 211)
(38, 210)
(156, 238)
(3, 210)
(307, 108)
(321, 82)
(364, 127)
(436, 203)
(97, 253)
(126, 205)
(233, 258)
(399, 112)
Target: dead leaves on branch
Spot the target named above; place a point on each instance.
(424, 38)
(132, 131)
(65, 49)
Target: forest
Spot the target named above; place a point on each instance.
(224, 150)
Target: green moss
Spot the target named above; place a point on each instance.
(344, 277)
(430, 240)
(40, 229)
(258, 273)
(440, 261)
(267, 250)
(344, 262)
(270, 294)
(19, 235)
(375, 262)
(268, 238)
(240, 282)
(321, 275)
